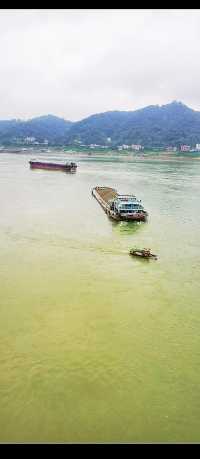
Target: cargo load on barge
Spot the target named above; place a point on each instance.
(119, 207)
(67, 167)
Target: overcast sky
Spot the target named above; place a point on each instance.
(73, 63)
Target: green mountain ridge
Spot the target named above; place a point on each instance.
(152, 126)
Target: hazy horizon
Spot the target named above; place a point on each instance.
(74, 63)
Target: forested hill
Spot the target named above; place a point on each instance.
(49, 127)
(172, 124)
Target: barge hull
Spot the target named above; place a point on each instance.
(53, 166)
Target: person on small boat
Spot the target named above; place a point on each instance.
(146, 252)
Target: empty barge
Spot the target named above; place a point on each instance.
(119, 207)
(67, 167)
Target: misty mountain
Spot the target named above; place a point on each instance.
(152, 126)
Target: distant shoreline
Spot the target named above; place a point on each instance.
(126, 154)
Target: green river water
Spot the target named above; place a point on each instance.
(95, 345)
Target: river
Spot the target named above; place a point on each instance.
(96, 345)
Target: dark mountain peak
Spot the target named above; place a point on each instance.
(49, 118)
(155, 125)
(176, 105)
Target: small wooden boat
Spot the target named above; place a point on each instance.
(67, 167)
(143, 253)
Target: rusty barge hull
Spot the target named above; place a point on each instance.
(104, 195)
(71, 167)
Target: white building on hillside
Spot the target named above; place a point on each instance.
(136, 147)
(29, 139)
(185, 147)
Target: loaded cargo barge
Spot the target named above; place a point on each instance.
(119, 207)
(67, 167)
